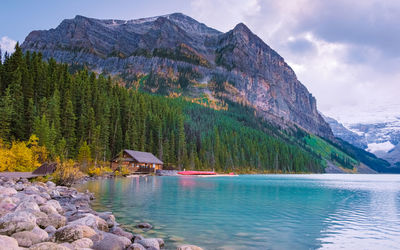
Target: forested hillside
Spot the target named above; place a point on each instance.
(70, 111)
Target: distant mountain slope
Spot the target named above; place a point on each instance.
(343, 133)
(185, 57)
(380, 139)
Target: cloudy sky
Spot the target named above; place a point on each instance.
(347, 53)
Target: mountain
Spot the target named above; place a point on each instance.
(175, 55)
(342, 132)
(381, 138)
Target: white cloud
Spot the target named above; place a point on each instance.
(7, 44)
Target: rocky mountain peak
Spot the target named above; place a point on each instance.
(245, 68)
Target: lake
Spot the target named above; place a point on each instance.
(327, 211)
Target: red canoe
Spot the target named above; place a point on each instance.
(196, 173)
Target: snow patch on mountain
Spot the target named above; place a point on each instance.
(383, 146)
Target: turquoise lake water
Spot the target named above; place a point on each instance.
(259, 211)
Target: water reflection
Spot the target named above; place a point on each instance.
(259, 212)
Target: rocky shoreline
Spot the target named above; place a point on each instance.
(42, 216)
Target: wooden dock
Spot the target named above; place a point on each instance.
(17, 175)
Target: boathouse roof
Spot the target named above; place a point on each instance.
(143, 157)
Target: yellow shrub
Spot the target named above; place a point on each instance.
(67, 173)
(22, 156)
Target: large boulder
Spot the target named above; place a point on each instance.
(16, 222)
(8, 243)
(54, 220)
(48, 209)
(82, 243)
(108, 217)
(50, 184)
(120, 232)
(150, 243)
(189, 247)
(108, 241)
(136, 246)
(7, 191)
(27, 206)
(48, 246)
(27, 238)
(72, 233)
(41, 233)
(91, 221)
(56, 205)
(7, 204)
(31, 190)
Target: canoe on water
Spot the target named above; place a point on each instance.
(196, 173)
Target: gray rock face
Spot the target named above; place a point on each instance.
(48, 246)
(249, 71)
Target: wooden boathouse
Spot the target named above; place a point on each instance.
(137, 162)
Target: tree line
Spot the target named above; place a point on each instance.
(76, 112)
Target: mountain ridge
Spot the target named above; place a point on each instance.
(168, 43)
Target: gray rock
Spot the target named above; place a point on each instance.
(31, 190)
(48, 246)
(19, 187)
(189, 247)
(67, 245)
(50, 184)
(91, 221)
(54, 220)
(160, 242)
(56, 205)
(27, 238)
(71, 233)
(136, 246)
(7, 204)
(27, 205)
(41, 233)
(120, 232)
(16, 222)
(82, 243)
(137, 237)
(108, 217)
(150, 242)
(7, 191)
(144, 226)
(48, 209)
(50, 230)
(54, 194)
(8, 243)
(110, 241)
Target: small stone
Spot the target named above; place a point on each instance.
(41, 233)
(82, 243)
(189, 247)
(71, 233)
(50, 230)
(50, 184)
(136, 246)
(48, 246)
(8, 243)
(150, 242)
(144, 225)
(137, 237)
